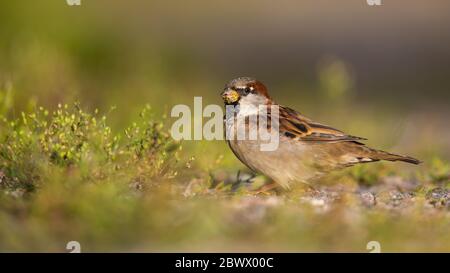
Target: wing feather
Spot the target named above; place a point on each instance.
(294, 125)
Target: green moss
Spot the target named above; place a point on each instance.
(71, 138)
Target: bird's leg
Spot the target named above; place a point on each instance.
(235, 185)
(249, 180)
(239, 180)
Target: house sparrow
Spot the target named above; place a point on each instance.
(306, 150)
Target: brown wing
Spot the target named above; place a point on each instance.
(294, 125)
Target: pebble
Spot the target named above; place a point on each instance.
(368, 199)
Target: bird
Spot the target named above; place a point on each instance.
(307, 150)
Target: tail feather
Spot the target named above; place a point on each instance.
(356, 152)
(382, 155)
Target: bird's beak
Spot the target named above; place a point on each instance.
(230, 96)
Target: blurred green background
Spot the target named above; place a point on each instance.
(338, 63)
(379, 72)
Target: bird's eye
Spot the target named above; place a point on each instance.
(247, 90)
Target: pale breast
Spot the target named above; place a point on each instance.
(292, 161)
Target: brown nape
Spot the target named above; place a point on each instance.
(261, 89)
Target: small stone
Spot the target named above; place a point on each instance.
(17, 193)
(317, 202)
(395, 199)
(438, 197)
(368, 199)
(437, 193)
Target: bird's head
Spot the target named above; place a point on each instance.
(245, 91)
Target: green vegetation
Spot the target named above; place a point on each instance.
(65, 175)
(75, 140)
